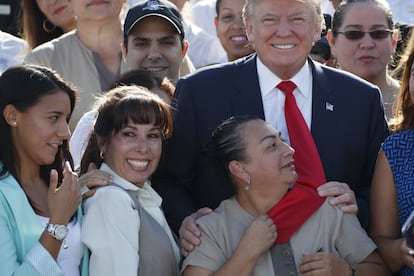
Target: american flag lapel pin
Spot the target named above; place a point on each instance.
(329, 107)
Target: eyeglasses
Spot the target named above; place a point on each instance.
(355, 35)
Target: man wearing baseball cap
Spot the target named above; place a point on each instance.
(154, 38)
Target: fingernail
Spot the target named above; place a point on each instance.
(411, 252)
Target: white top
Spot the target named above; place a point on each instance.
(12, 50)
(202, 13)
(110, 226)
(327, 7)
(69, 259)
(204, 49)
(80, 137)
(274, 99)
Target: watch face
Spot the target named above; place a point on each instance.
(60, 232)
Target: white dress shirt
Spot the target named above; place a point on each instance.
(274, 99)
(110, 226)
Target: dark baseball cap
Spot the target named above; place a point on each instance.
(160, 8)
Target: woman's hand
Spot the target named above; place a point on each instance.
(189, 232)
(343, 196)
(63, 201)
(94, 178)
(259, 237)
(321, 263)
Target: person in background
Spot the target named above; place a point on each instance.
(124, 226)
(393, 181)
(89, 56)
(40, 215)
(363, 40)
(44, 20)
(238, 238)
(282, 33)
(321, 51)
(154, 40)
(230, 29)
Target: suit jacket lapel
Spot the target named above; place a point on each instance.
(246, 97)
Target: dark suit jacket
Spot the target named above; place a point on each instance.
(348, 135)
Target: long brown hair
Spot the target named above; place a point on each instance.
(404, 108)
(23, 86)
(33, 19)
(116, 108)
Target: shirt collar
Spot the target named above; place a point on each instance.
(268, 80)
(146, 191)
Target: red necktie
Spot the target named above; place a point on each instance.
(302, 200)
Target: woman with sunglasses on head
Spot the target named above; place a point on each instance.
(363, 40)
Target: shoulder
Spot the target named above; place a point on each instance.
(219, 216)
(227, 215)
(57, 45)
(403, 139)
(221, 71)
(109, 197)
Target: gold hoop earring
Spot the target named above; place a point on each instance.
(247, 186)
(48, 26)
(101, 154)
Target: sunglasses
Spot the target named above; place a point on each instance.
(355, 35)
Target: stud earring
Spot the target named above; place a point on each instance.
(14, 123)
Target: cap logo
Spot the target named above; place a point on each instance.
(152, 5)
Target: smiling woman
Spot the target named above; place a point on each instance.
(231, 30)
(127, 141)
(36, 106)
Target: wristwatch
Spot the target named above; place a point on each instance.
(58, 231)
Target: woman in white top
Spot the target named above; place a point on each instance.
(126, 143)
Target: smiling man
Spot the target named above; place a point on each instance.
(154, 39)
(282, 32)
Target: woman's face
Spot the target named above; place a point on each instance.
(270, 163)
(366, 57)
(231, 31)
(97, 10)
(134, 152)
(58, 12)
(39, 131)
